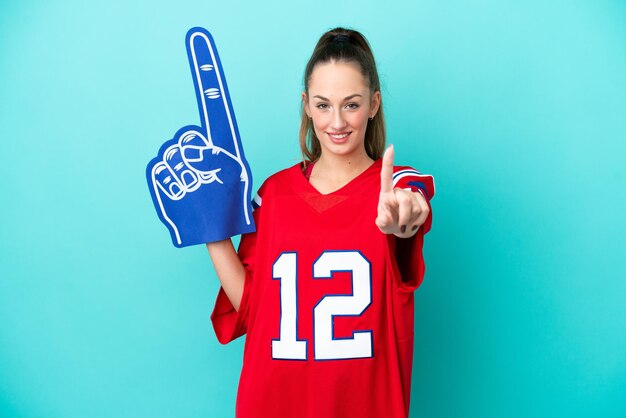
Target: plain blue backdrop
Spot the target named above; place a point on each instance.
(517, 108)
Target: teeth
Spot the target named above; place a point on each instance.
(340, 136)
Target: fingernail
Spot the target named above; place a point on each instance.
(188, 178)
(403, 229)
(192, 153)
(175, 189)
(414, 227)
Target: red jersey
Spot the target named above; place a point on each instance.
(327, 304)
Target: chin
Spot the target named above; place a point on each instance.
(343, 149)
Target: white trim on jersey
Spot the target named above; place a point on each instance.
(256, 202)
(408, 173)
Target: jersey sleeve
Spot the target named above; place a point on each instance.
(228, 323)
(410, 179)
(408, 252)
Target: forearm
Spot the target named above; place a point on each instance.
(230, 271)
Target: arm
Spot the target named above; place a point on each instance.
(405, 200)
(229, 268)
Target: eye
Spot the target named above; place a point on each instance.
(321, 106)
(352, 106)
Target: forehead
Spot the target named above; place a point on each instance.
(339, 79)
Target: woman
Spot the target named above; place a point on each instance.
(324, 288)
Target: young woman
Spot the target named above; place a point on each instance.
(324, 287)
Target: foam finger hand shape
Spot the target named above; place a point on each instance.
(200, 181)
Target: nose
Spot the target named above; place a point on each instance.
(338, 121)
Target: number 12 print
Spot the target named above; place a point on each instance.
(287, 346)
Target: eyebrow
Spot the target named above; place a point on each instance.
(345, 98)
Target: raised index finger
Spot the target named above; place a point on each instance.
(216, 112)
(386, 172)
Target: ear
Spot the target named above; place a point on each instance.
(375, 103)
(305, 104)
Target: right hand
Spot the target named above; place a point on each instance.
(200, 181)
(400, 212)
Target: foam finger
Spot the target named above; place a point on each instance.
(166, 182)
(216, 113)
(181, 171)
(192, 144)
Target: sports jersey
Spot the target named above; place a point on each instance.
(327, 304)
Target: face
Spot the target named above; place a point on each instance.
(340, 104)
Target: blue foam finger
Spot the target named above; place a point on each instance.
(165, 180)
(200, 182)
(216, 111)
(183, 175)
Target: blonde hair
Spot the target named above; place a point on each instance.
(350, 46)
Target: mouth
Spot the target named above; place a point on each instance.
(338, 137)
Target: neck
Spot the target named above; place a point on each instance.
(341, 168)
(345, 163)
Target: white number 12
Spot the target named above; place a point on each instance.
(326, 347)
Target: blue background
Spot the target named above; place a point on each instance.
(517, 108)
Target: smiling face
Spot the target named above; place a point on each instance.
(340, 103)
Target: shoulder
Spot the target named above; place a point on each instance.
(405, 177)
(277, 183)
(287, 175)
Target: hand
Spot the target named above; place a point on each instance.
(400, 212)
(200, 181)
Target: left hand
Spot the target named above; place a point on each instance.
(400, 212)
